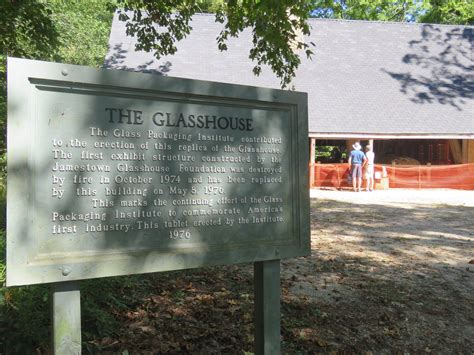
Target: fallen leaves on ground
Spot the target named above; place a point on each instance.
(381, 285)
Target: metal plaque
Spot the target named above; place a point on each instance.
(113, 173)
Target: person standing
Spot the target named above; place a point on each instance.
(369, 168)
(356, 160)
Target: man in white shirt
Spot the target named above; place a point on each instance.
(369, 168)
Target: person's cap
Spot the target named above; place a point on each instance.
(356, 146)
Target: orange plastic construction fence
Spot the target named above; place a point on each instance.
(398, 176)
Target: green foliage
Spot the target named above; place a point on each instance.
(26, 29)
(84, 28)
(276, 28)
(25, 319)
(210, 6)
(329, 154)
(370, 10)
(453, 12)
(99, 298)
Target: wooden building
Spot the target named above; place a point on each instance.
(408, 87)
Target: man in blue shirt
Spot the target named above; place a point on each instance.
(356, 160)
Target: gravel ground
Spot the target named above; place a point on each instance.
(400, 196)
(390, 272)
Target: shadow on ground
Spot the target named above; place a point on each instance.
(381, 279)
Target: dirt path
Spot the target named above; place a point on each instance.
(390, 271)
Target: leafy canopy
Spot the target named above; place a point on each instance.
(277, 28)
(453, 12)
(370, 10)
(450, 12)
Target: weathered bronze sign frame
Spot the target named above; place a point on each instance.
(60, 222)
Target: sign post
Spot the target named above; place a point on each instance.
(267, 307)
(114, 173)
(66, 309)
